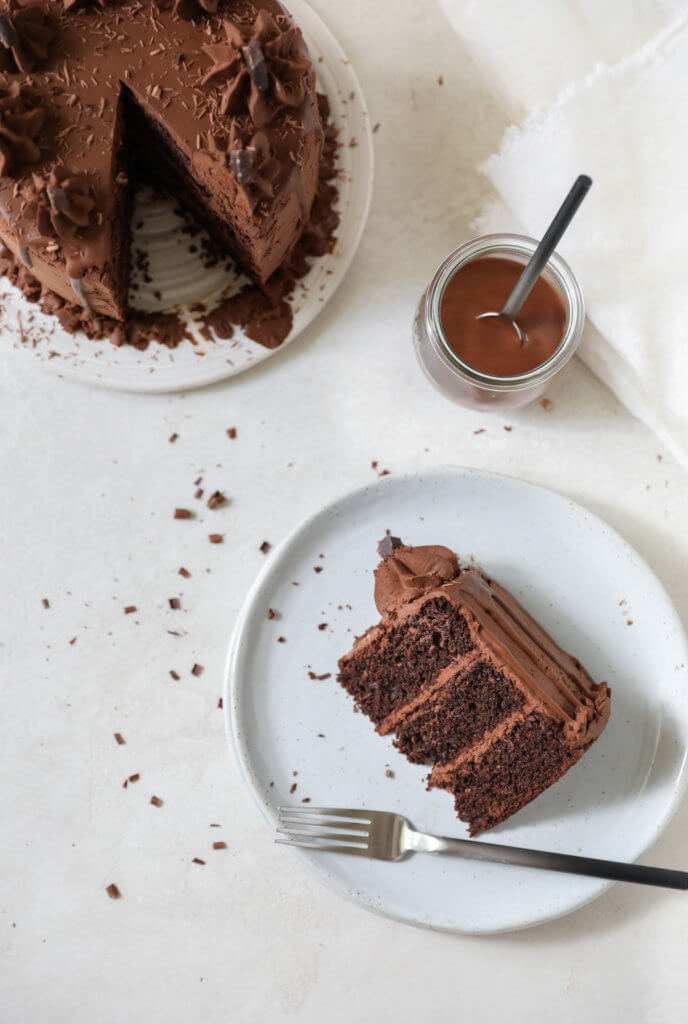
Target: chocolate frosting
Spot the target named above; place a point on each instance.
(20, 123)
(25, 38)
(499, 623)
(408, 573)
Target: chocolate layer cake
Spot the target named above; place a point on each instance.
(212, 100)
(469, 681)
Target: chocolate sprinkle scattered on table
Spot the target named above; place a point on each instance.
(197, 860)
(173, 438)
(216, 500)
(220, 845)
(175, 675)
(231, 433)
(216, 538)
(197, 670)
(174, 603)
(265, 546)
(129, 609)
(156, 801)
(182, 513)
(119, 738)
(113, 892)
(323, 625)
(293, 787)
(45, 602)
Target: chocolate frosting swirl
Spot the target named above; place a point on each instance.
(24, 38)
(409, 572)
(254, 166)
(264, 68)
(62, 205)
(20, 125)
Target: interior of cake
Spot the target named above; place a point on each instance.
(510, 772)
(457, 714)
(386, 675)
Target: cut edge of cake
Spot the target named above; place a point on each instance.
(469, 682)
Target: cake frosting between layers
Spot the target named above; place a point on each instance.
(462, 673)
(213, 99)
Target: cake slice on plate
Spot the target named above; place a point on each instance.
(469, 681)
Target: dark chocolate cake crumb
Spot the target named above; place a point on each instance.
(197, 670)
(113, 892)
(119, 739)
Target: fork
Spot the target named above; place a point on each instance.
(382, 835)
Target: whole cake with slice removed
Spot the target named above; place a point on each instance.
(470, 682)
(211, 100)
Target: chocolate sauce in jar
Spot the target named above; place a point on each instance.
(485, 340)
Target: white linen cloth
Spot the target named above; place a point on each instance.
(623, 125)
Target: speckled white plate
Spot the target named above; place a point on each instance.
(179, 278)
(576, 575)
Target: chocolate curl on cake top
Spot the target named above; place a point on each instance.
(62, 205)
(24, 38)
(406, 573)
(20, 125)
(254, 166)
(263, 68)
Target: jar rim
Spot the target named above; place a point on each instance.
(559, 273)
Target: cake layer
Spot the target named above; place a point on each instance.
(507, 770)
(389, 667)
(458, 712)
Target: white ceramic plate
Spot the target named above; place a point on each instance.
(571, 571)
(180, 279)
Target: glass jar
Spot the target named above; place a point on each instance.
(455, 378)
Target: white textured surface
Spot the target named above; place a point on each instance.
(89, 482)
